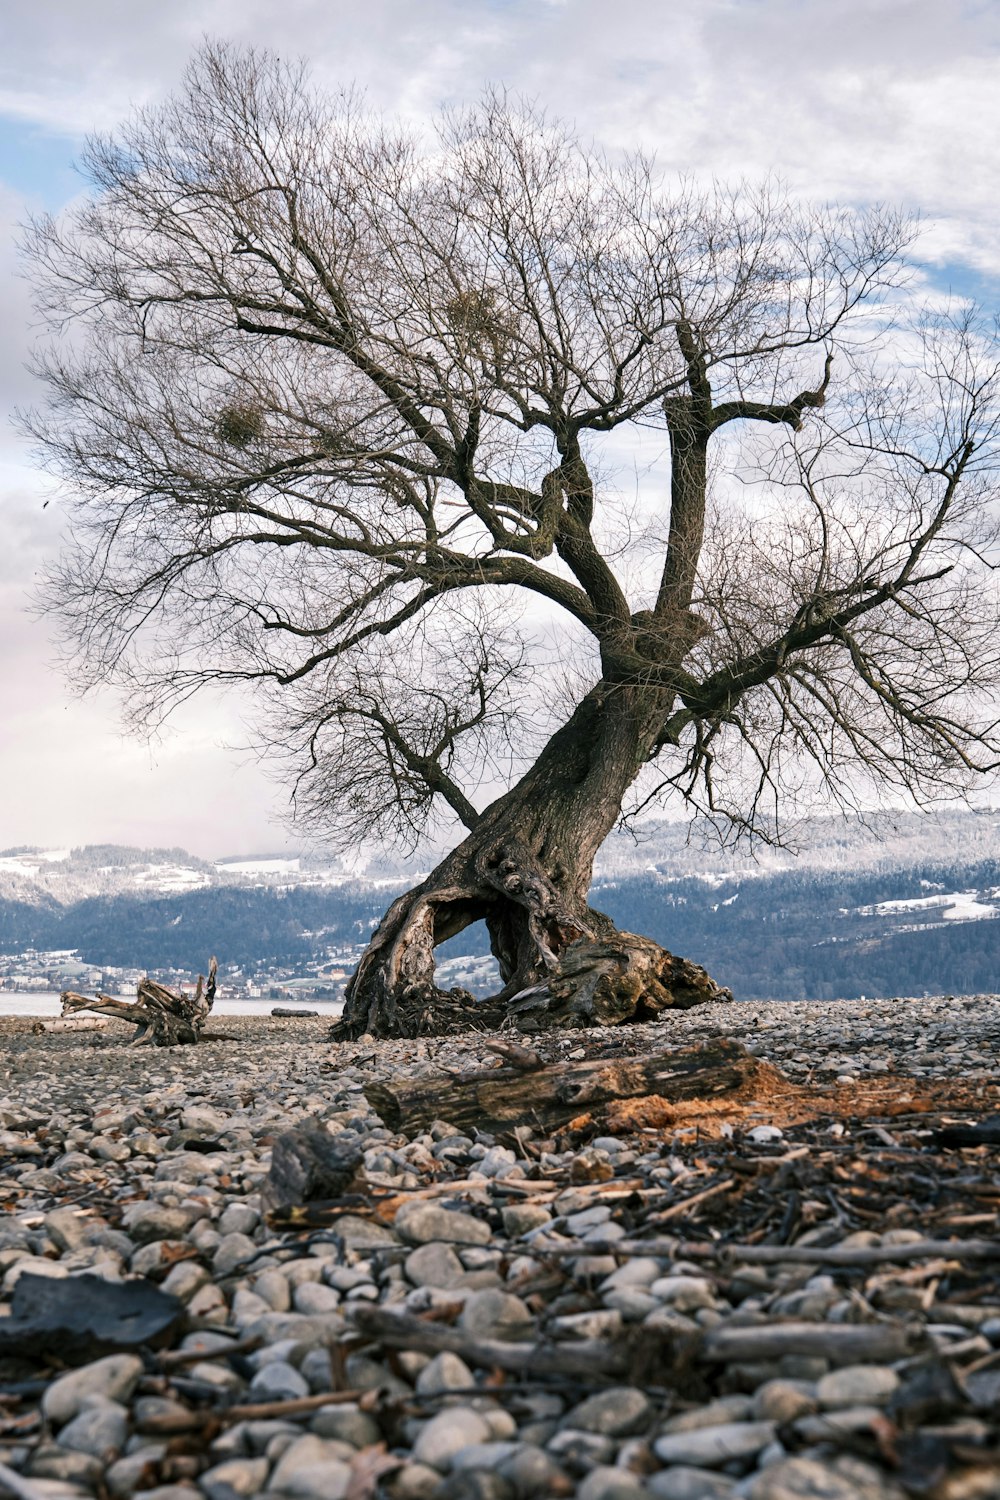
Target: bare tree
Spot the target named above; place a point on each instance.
(333, 405)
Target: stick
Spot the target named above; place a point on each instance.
(772, 1255)
(844, 1343)
(22, 1488)
(403, 1331)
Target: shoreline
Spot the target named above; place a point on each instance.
(604, 1311)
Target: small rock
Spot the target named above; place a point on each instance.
(278, 1381)
(312, 1468)
(784, 1400)
(434, 1264)
(421, 1223)
(605, 1483)
(684, 1483)
(238, 1218)
(522, 1218)
(415, 1482)
(233, 1251)
(857, 1385)
(712, 1447)
(99, 1429)
(115, 1377)
(615, 1412)
(238, 1476)
(726, 1409)
(445, 1372)
(493, 1314)
(347, 1424)
(458, 1427)
(801, 1479)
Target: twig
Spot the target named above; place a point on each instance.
(400, 1330)
(769, 1255)
(22, 1488)
(677, 1210)
(844, 1343)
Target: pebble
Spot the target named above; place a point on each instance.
(443, 1436)
(857, 1385)
(712, 1447)
(173, 1164)
(422, 1223)
(114, 1377)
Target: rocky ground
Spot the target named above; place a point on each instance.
(735, 1298)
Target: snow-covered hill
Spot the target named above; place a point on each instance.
(671, 850)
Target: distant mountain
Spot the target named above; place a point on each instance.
(895, 905)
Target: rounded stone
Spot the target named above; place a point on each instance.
(458, 1427)
(346, 1424)
(115, 1377)
(784, 1400)
(681, 1482)
(313, 1469)
(494, 1314)
(278, 1381)
(713, 1447)
(857, 1385)
(232, 1251)
(606, 1483)
(237, 1476)
(615, 1412)
(434, 1264)
(801, 1479)
(445, 1372)
(421, 1223)
(99, 1429)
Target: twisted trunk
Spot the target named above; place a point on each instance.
(525, 869)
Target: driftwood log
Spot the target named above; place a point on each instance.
(163, 1018)
(500, 1098)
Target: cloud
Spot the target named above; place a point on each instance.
(869, 99)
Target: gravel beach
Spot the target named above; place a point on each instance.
(602, 1312)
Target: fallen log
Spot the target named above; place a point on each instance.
(70, 1023)
(163, 1018)
(499, 1098)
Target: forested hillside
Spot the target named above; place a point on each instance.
(785, 934)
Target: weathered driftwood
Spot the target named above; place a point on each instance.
(582, 1359)
(163, 1017)
(69, 1023)
(500, 1098)
(769, 1255)
(841, 1343)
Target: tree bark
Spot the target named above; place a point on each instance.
(525, 869)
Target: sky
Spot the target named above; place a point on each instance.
(895, 101)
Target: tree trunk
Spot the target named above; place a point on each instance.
(525, 869)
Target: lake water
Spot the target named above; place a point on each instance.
(46, 1003)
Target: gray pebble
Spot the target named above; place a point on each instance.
(99, 1429)
(441, 1437)
(857, 1385)
(615, 1412)
(238, 1476)
(115, 1377)
(278, 1381)
(421, 1223)
(713, 1447)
